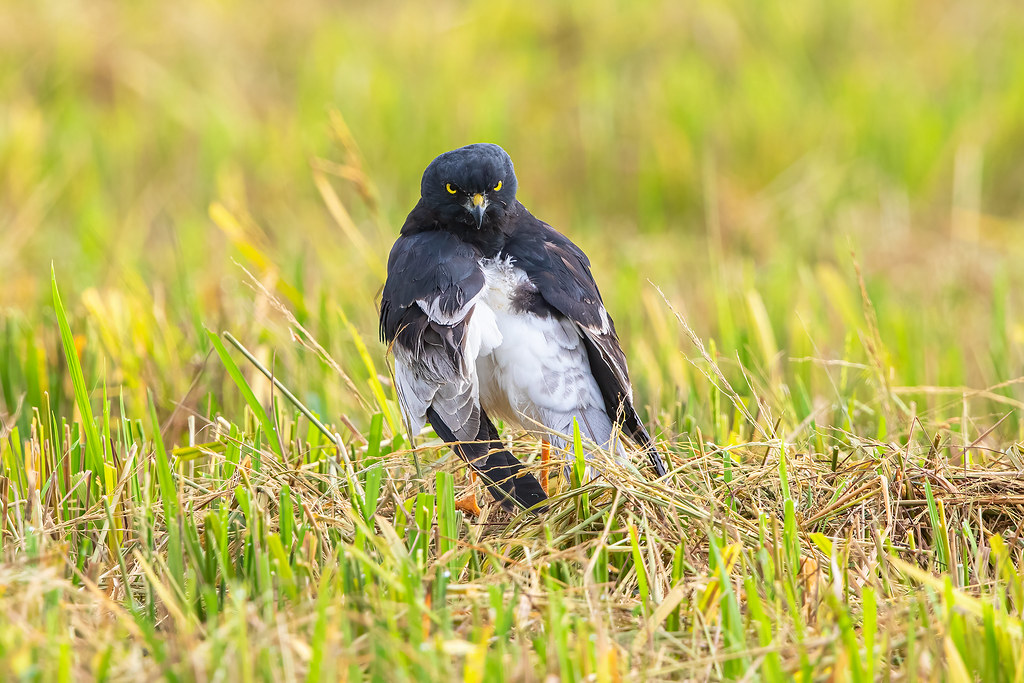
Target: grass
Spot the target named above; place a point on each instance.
(806, 221)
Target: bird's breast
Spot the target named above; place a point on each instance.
(532, 362)
(507, 285)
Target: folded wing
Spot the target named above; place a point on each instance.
(427, 307)
(561, 272)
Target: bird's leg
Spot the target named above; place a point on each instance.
(468, 502)
(545, 457)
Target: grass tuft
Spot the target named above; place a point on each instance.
(805, 222)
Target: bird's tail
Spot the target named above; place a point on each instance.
(644, 439)
(635, 428)
(596, 426)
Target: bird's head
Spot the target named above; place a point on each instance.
(472, 186)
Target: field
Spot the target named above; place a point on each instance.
(806, 218)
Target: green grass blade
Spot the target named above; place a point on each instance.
(93, 446)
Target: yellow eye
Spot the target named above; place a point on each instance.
(497, 188)
(448, 186)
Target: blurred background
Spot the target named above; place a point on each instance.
(745, 157)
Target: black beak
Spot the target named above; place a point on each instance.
(478, 215)
(478, 208)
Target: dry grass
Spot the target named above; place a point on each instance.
(806, 222)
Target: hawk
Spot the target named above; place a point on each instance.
(493, 314)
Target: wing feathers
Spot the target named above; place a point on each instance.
(503, 473)
(561, 272)
(427, 305)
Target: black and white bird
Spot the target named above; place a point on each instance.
(493, 314)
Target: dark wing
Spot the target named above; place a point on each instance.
(561, 272)
(501, 471)
(426, 307)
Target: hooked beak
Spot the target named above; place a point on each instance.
(478, 208)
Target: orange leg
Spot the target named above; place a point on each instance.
(468, 502)
(425, 618)
(545, 458)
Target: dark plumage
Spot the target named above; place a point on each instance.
(493, 311)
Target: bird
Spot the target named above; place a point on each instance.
(491, 313)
